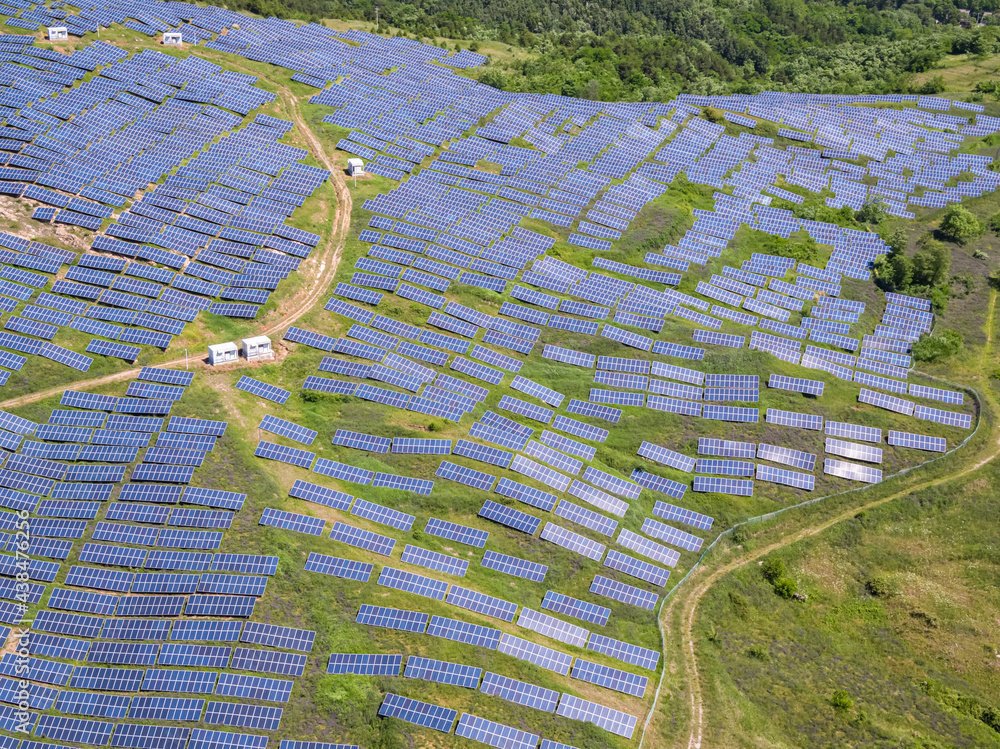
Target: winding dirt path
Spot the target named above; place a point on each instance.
(703, 579)
(327, 262)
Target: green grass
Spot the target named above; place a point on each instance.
(912, 662)
(344, 708)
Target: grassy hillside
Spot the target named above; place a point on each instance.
(896, 644)
(901, 603)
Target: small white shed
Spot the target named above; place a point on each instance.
(172, 37)
(258, 347)
(58, 33)
(222, 353)
(355, 167)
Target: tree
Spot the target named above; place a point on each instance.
(898, 241)
(931, 348)
(931, 264)
(894, 272)
(960, 225)
(873, 211)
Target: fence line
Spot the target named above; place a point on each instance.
(771, 515)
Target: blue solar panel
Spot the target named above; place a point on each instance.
(421, 713)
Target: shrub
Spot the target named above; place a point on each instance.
(773, 569)
(842, 700)
(980, 255)
(881, 586)
(759, 652)
(712, 115)
(993, 222)
(931, 348)
(873, 211)
(897, 240)
(960, 225)
(785, 587)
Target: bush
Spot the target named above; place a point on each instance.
(760, 652)
(713, 115)
(980, 255)
(993, 222)
(931, 348)
(931, 263)
(773, 569)
(785, 587)
(960, 225)
(873, 211)
(897, 240)
(842, 700)
(881, 586)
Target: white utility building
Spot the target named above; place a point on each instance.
(58, 33)
(258, 347)
(355, 167)
(223, 353)
(173, 37)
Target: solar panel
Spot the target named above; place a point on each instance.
(795, 458)
(853, 431)
(614, 721)
(917, 441)
(667, 457)
(514, 566)
(420, 713)
(362, 441)
(252, 687)
(288, 429)
(520, 692)
(888, 402)
(411, 583)
(572, 541)
(940, 416)
(262, 389)
(509, 517)
(284, 454)
(789, 478)
(362, 539)
(338, 567)
(623, 651)
(722, 486)
(619, 591)
(610, 678)
(539, 655)
(494, 734)
(853, 450)
(365, 665)
(442, 672)
(467, 476)
(481, 603)
(852, 471)
(454, 532)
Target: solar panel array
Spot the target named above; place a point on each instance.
(217, 223)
